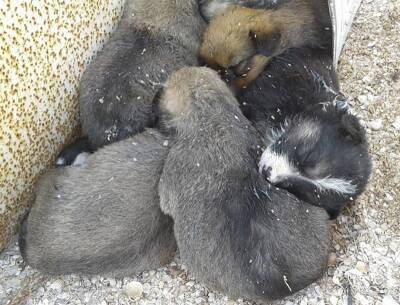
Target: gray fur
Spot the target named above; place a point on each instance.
(102, 217)
(235, 231)
(152, 39)
(210, 8)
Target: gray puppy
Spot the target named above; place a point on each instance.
(152, 39)
(235, 231)
(102, 217)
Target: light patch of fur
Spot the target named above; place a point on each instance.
(308, 129)
(81, 159)
(279, 164)
(174, 101)
(335, 184)
(60, 161)
(215, 8)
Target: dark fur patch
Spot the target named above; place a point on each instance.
(69, 153)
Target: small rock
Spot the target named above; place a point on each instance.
(388, 300)
(362, 267)
(57, 285)
(389, 197)
(333, 300)
(362, 299)
(363, 99)
(396, 123)
(332, 259)
(394, 245)
(375, 125)
(304, 301)
(134, 290)
(336, 280)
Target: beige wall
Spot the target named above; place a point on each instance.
(44, 48)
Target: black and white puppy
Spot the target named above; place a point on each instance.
(316, 149)
(235, 231)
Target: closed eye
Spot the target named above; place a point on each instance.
(243, 67)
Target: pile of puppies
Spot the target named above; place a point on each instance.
(239, 168)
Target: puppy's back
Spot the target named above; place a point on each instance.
(235, 231)
(102, 217)
(117, 89)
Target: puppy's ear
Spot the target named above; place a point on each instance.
(352, 128)
(266, 44)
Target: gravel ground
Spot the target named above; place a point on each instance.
(366, 238)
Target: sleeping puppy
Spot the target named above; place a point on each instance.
(316, 149)
(235, 231)
(102, 217)
(241, 40)
(152, 39)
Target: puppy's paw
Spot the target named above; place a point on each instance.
(249, 70)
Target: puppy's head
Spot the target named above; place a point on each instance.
(191, 97)
(235, 36)
(327, 147)
(194, 88)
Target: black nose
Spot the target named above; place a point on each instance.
(266, 172)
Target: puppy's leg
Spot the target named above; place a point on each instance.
(69, 155)
(331, 200)
(258, 64)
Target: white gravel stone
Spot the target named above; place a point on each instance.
(388, 300)
(134, 290)
(396, 124)
(375, 125)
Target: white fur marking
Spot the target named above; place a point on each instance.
(281, 168)
(81, 159)
(279, 164)
(60, 161)
(308, 129)
(335, 184)
(215, 8)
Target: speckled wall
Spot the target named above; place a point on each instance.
(44, 48)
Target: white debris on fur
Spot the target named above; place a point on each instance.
(366, 241)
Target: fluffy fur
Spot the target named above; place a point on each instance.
(235, 231)
(315, 148)
(152, 39)
(102, 217)
(210, 8)
(237, 33)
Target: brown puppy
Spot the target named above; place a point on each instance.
(237, 33)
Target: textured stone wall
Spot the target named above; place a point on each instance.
(44, 48)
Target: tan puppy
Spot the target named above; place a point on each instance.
(237, 33)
